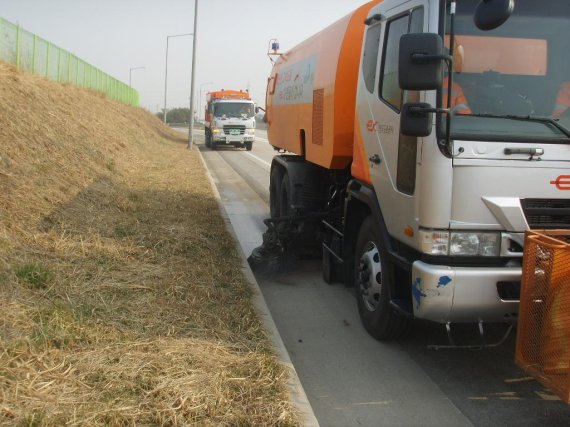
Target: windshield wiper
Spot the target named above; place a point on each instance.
(528, 118)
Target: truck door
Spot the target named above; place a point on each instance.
(393, 157)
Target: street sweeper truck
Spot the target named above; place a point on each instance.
(229, 119)
(418, 141)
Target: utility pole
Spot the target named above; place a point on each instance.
(166, 66)
(131, 72)
(200, 97)
(191, 126)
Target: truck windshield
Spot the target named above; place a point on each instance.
(234, 109)
(513, 82)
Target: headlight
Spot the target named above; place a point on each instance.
(216, 130)
(250, 131)
(475, 244)
(460, 243)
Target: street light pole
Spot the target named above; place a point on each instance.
(166, 70)
(131, 71)
(200, 99)
(191, 125)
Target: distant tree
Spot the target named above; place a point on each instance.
(160, 114)
(176, 115)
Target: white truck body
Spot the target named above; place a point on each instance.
(230, 122)
(483, 187)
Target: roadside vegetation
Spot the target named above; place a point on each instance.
(175, 115)
(122, 298)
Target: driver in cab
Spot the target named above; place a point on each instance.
(459, 103)
(562, 100)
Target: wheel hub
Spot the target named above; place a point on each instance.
(370, 276)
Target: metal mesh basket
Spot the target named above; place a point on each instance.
(543, 333)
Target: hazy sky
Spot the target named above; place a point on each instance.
(232, 42)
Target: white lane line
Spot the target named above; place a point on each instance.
(260, 160)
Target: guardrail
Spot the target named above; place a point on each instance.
(33, 54)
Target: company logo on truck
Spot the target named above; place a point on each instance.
(562, 182)
(374, 126)
(295, 83)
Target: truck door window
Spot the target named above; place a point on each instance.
(416, 26)
(390, 89)
(370, 56)
(408, 145)
(417, 20)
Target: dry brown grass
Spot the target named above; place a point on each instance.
(122, 300)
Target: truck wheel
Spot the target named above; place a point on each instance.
(275, 192)
(248, 145)
(373, 280)
(285, 208)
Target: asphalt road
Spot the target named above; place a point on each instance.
(353, 380)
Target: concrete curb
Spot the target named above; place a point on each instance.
(296, 390)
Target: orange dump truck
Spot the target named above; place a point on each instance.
(415, 173)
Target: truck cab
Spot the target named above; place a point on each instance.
(463, 165)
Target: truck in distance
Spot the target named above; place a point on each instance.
(229, 119)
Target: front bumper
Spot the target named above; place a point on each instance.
(462, 294)
(232, 139)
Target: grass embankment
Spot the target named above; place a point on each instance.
(122, 300)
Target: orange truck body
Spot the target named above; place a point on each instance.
(228, 94)
(311, 94)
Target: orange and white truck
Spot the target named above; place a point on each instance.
(417, 171)
(229, 119)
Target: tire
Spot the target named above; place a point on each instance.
(248, 145)
(208, 139)
(373, 279)
(213, 145)
(285, 201)
(275, 192)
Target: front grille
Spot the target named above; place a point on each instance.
(234, 129)
(547, 213)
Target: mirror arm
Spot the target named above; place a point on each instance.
(447, 111)
(422, 110)
(424, 57)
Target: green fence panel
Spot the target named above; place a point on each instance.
(80, 72)
(26, 50)
(33, 54)
(8, 41)
(53, 63)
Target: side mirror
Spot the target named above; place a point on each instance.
(491, 14)
(416, 119)
(256, 110)
(420, 65)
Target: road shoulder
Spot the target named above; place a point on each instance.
(296, 390)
